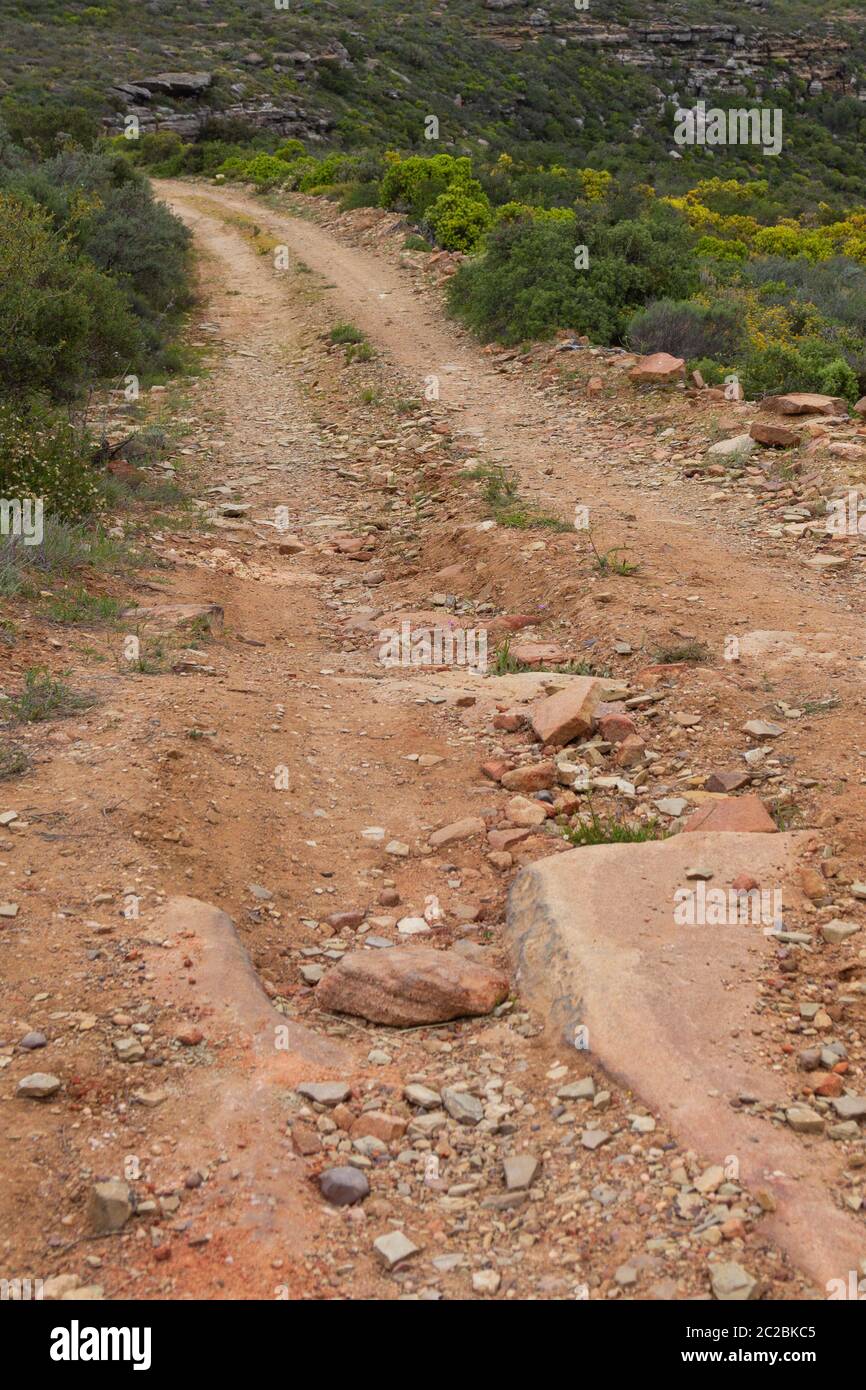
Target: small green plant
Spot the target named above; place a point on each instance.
(695, 652)
(42, 697)
(608, 562)
(607, 830)
(13, 760)
(346, 333)
(79, 607)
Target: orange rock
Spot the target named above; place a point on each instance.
(409, 985)
(559, 718)
(774, 434)
(805, 403)
(658, 367)
(746, 813)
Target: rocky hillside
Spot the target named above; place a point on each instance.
(558, 82)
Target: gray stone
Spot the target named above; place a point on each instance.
(584, 1089)
(520, 1171)
(109, 1206)
(38, 1085)
(343, 1187)
(837, 931)
(393, 1248)
(849, 1107)
(731, 1283)
(462, 1106)
(804, 1120)
(594, 1138)
(325, 1092)
(422, 1096)
(31, 1041)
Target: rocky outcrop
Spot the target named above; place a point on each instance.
(699, 57)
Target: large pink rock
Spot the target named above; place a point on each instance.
(568, 714)
(659, 366)
(805, 403)
(732, 813)
(408, 985)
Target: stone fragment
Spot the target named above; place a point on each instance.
(462, 1106)
(325, 1092)
(745, 813)
(731, 1283)
(657, 367)
(559, 718)
(109, 1206)
(458, 830)
(39, 1085)
(393, 1248)
(520, 1171)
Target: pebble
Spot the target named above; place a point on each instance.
(463, 1107)
(394, 1247)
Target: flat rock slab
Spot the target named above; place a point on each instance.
(167, 616)
(668, 1008)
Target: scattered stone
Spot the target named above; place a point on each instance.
(39, 1085)
(109, 1206)
(763, 728)
(486, 1280)
(594, 1138)
(804, 1120)
(740, 446)
(520, 1171)
(32, 1041)
(462, 1106)
(343, 1187)
(805, 403)
(837, 931)
(568, 714)
(325, 1092)
(458, 830)
(731, 1283)
(394, 1248)
(658, 367)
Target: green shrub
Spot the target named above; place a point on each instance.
(292, 149)
(62, 322)
(412, 184)
(43, 456)
(526, 284)
(810, 366)
(687, 329)
(265, 171)
(458, 218)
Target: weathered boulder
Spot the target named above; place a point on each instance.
(569, 713)
(805, 403)
(658, 367)
(407, 986)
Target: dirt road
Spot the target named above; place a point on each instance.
(247, 778)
